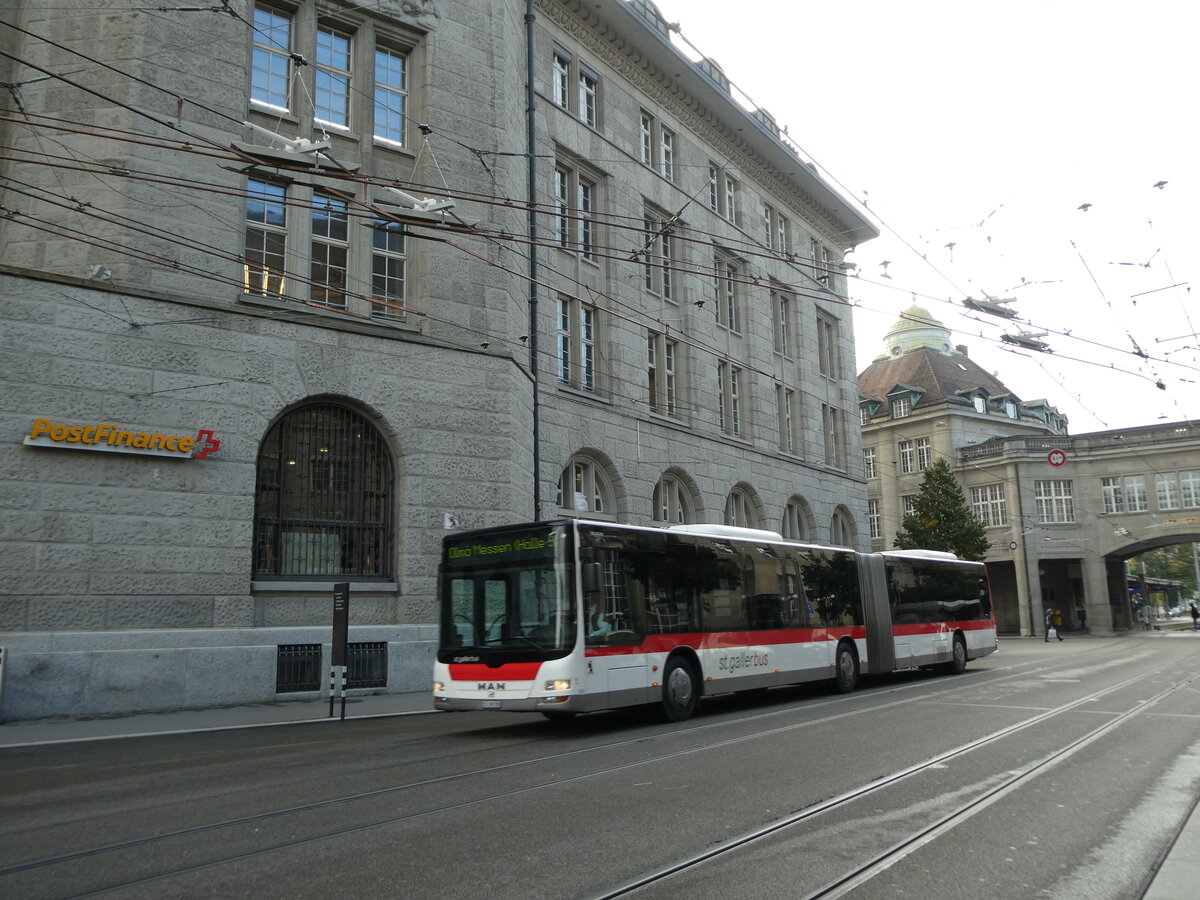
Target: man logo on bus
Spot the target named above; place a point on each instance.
(492, 686)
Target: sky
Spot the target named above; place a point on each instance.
(974, 133)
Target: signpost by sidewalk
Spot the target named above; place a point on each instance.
(341, 634)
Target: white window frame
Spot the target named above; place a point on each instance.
(332, 64)
(739, 510)
(1055, 501)
(907, 456)
(829, 360)
(726, 293)
(784, 316)
(832, 428)
(259, 278)
(671, 501)
(901, 407)
(785, 399)
(391, 97)
(730, 398)
(924, 453)
(989, 505)
(1166, 487)
(268, 56)
(795, 523)
(658, 256)
(662, 354)
(326, 245)
(874, 521)
(590, 491)
(870, 463)
(389, 253)
(575, 344)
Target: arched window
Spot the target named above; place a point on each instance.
(739, 509)
(841, 530)
(672, 502)
(795, 521)
(323, 503)
(583, 487)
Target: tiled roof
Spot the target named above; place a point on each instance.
(937, 375)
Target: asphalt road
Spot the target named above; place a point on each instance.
(1048, 770)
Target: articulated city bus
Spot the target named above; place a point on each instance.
(572, 616)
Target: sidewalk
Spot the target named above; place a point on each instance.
(56, 731)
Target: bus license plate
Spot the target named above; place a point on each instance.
(491, 704)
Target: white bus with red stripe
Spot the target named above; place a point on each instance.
(574, 615)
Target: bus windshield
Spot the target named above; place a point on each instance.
(510, 594)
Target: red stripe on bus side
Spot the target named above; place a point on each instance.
(517, 671)
(663, 643)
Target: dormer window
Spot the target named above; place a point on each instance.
(901, 407)
(980, 404)
(1010, 408)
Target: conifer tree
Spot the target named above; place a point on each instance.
(941, 518)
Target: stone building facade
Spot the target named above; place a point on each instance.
(267, 281)
(1063, 512)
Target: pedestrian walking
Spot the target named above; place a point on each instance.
(1195, 617)
(1053, 619)
(1081, 614)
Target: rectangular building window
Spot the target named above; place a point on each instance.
(266, 238)
(786, 400)
(1168, 490)
(589, 84)
(726, 293)
(908, 504)
(833, 428)
(1189, 488)
(666, 161)
(391, 96)
(331, 82)
(574, 211)
(924, 454)
(271, 58)
(768, 226)
(729, 398)
(730, 199)
(874, 523)
(901, 407)
(647, 138)
(659, 255)
(783, 239)
(1055, 502)
(575, 344)
(907, 457)
(989, 506)
(330, 251)
(388, 262)
(828, 353)
(869, 463)
(783, 322)
(661, 355)
(560, 79)
(714, 194)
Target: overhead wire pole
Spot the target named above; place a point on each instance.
(531, 138)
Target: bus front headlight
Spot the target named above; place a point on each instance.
(562, 684)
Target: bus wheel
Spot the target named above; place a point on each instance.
(846, 670)
(679, 690)
(958, 662)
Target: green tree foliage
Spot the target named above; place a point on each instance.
(941, 518)
(1173, 562)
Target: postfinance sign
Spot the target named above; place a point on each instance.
(111, 438)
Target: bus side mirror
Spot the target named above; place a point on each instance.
(591, 578)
